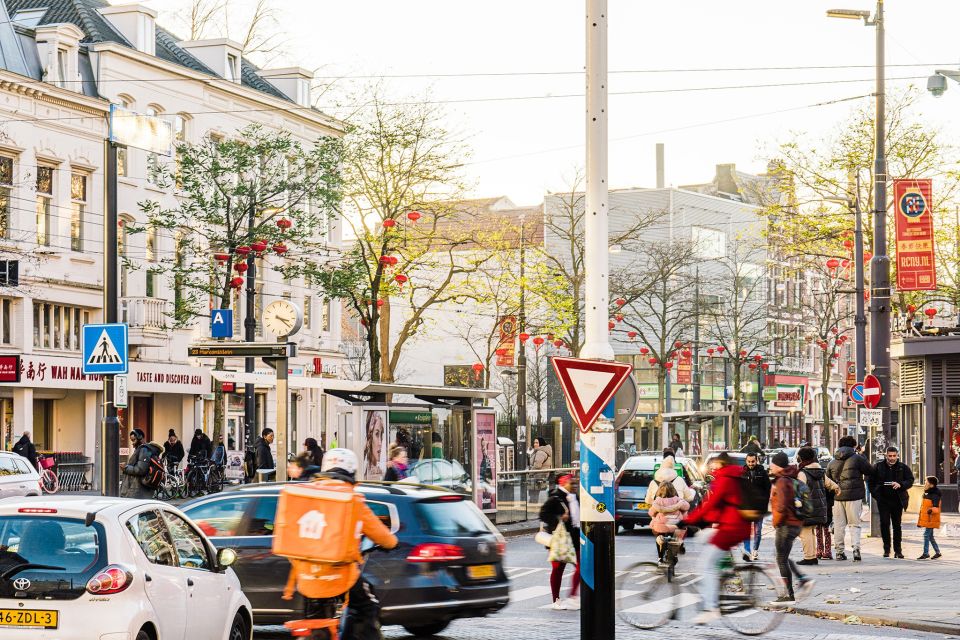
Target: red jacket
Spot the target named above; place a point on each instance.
(722, 509)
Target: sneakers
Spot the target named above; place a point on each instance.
(841, 555)
(925, 556)
(898, 555)
(705, 616)
(784, 601)
(558, 605)
(756, 555)
(809, 562)
(856, 555)
(747, 557)
(936, 555)
(572, 603)
(805, 586)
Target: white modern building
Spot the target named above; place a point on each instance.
(62, 64)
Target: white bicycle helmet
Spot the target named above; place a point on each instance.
(340, 459)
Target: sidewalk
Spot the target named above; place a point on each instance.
(910, 594)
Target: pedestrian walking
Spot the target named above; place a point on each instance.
(848, 469)
(264, 456)
(888, 485)
(929, 519)
(752, 446)
(397, 469)
(755, 474)
(137, 466)
(541, 457)
(786, 524)
(815, 534)
(25, 449)
(314, 450)
(677, 445)
(563, 508)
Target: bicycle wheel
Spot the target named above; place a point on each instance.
(215, 481)
(646, 597)
(745, 594)
(49, 482)
(195, 483)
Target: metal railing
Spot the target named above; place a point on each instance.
(145, 313)
(521, 493)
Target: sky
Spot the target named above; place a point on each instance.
(524, 147)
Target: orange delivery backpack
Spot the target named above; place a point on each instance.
(319, 522)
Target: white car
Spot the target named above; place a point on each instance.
(17, 476)
(92, 568)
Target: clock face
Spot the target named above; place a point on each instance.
(282, 318)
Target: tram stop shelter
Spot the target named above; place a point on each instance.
(450, 436)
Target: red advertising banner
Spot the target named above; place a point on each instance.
(10, 368)
(913, 208)
(685, 368)
(506, 349)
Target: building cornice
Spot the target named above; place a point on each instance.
(52, 94)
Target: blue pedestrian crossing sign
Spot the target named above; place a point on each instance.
(221, 323)
(105, 349)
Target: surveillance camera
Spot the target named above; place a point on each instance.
(936, 84)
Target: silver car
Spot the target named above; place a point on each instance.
(17, 476)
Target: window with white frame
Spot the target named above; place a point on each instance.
(57, 326)
(6, 189)
(123, 162)
(710, 244)
(78, 205)
(122, 240)
(232, 72)
(62, 67)
(325, 315)
(153, 159)
(6, 321)
(44, 205)
(151, 257)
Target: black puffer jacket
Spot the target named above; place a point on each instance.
(849, 469)
(758, 477)
(813, 476)
(136, 468)
(887, 495)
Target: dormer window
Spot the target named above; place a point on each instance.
(232, 71)
(62, 68)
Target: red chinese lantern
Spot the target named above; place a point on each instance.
(221, 258)
(558, 343)
(538, 341)
(279, 248)
(401, 279)
(758, 357)
(836, 356)
(385, 260)
(524, 337)
(833, 263)
(686, 353)
(284, 223)
(835, 330)
(652, 361)
(240, 267)
(848, 244)
(844, 263)
(611, 325)
(477, 369)
(743, 353)
(242, 250)
(710, 351)
(677, 344)
(867, 256)
(237, 282)
(501, 352)
(259, 246)
(668, 365)
(930, 312)
(911, 308)
(720, 349)
(619, 317)
(413, 216)
(765, 366)
(752, 366)
(620, 302)
(380, 303)
(389, 223)
(631, 334)
(644, 351)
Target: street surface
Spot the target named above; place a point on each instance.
(529, 618)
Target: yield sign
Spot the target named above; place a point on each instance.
(871, 391)
(589, 385)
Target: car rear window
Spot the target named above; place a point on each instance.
(52, 541)
(636, 478)
(219, 518)
(453, 518)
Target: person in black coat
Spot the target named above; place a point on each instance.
(755, 474)
(562, 506)
(848, 469)
(888, 485)
(173, 450)
(137, 466)
(201, 446)
(264, 454)
(25, 449)
(313, 449)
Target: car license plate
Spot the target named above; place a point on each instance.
(482, 572)
(29, 618)
(642, 505)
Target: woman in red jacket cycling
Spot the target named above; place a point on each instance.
(721, 511)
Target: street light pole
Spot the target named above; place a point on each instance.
(250, 335)
(860, 319)
(522, 431)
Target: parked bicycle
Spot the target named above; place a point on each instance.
(49, 482)
(174, 482)
(203, 476)
(652, 596)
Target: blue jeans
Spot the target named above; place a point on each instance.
(928, 540)
(756, 529)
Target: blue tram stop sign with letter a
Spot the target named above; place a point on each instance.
(105, 349)
(221, 323)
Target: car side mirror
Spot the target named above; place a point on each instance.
(226, 558)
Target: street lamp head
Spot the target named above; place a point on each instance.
(937, 85)
(849, 14)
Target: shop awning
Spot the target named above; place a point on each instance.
(358, 391)
(267, 380)
(696, 416)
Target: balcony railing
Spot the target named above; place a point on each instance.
(147, 320)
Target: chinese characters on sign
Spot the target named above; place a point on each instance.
(10, 368)
(913, 208)
(685, 367)
(508, 334)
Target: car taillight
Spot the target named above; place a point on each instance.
(435, 552)
(502, 548)
(110, 580)
(36, 510)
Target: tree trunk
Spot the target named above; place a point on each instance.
(825, 402)
(734, 442)
(661, 402)
(386, 373)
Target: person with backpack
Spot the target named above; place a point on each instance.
(888, 485)
(137, 472)
(25, 449)
(848, 469)
(756, 480)
(791, 503)
(322, 542)
(815, 535)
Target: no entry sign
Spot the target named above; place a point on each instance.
(871, 392)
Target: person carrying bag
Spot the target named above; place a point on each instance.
(561, 515)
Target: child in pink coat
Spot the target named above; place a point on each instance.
(667, 511)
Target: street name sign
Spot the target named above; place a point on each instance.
(104, 348)
(242, 350)
(856, 393)
(589, 386)
(870, 418)
(871, 392)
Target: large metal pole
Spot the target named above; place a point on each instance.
(523, 432)
(250, 335)
(860, 319)
(880, 266)
(110, 436)
(283, 396)
(597, 447)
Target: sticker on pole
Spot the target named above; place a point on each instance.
(589, 386)
(870, 418)
(871, 392)
(104, 348)
(856, 393)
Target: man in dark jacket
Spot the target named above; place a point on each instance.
(756, 475)
(25, 449)
(848, 469)
(137, 466)
(888, 485)
(264, 455)
(752, 446)
(201, 446)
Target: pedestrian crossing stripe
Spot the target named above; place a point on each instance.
(104, 351)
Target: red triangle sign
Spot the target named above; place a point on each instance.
(589, 386)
